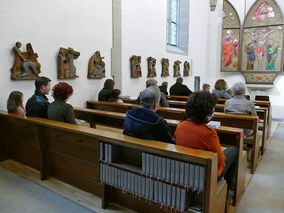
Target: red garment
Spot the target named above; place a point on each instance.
(227, 50)
(200, 136)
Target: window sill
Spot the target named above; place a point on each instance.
(176, 50)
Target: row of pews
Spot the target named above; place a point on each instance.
(73, 154)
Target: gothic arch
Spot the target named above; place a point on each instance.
(262, 43)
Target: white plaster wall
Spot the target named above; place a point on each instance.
(86, 26)
(144, 33)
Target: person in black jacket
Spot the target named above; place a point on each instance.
(180, 89)
(143, 122)
(37, 105)
(106, 93)
(164, 88)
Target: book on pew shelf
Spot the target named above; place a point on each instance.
(177, 171)
(101, 172)
(184, 199)
(147, 192)
(160, 194)
(164, 166)
(181, 171)
(173, 204)
(196, 176)
(214, 124)
(110, 153)
(143, 163)
(178, 198)
(151, 165)
(132, 183)
(106, 176)
(139, 190)
(186, 174)
(159, 167)
(116, 177)
(151, 196)
(173, 164)
(101, 151)
(106, 152)
(147, 164)
(113, 176)
(201, 178)
(156, 191)
(136, 184)
(169, 194)
(129, 181)
(143, 187)
(126, 180)
(78, 121)
(164, 193)
(168, 174)
(191, 175)
(155, 172)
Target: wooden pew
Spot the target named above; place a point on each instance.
(177, 98)
(71, 153)
(228, 136)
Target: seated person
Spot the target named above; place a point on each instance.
(206, 87)
(59, 110)
(194, 133)
(239, 104)
(15, 103)
(180, 89)
(154, 83)
(220, 89)
(164, 88)
(115, 96)
(143, 122)
(37, 105)
(106, 93)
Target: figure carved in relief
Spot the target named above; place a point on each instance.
(229, 46)
(26, 65)
(151, 67)
(65, 64)
(186, 68)
(250, 51)
(260, 35)
(177, 68)
(271, 54)
(96, 68)
(165, 67)
(135, 67)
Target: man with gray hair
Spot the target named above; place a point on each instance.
(239, 104)
(154, 83)
(143, 122)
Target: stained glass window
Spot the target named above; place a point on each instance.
(264, 11)
(172, 22)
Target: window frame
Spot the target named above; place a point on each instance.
(170, 22)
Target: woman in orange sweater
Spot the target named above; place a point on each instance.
(194, 133)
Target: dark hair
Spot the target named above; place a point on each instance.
(165, 84)
(179, 80)
(199, 105)
(205, 86)
(115, 94)
(221, 84)
(14, 101)
(62, 91)
(109, 83)
(41, 81)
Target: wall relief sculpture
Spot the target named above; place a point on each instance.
(96, 68)
(151, 67)
(186, 69)
(65, 64)
(177, 68)
(26, 66)
(165, 67)
(135, 66)
(262, 43)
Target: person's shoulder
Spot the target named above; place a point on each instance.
(69, 106)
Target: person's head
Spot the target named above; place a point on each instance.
(42, 84)
(221, 84)
(165, 84)
(238, 88)
(200, 106)
(109, 84)
(15, 100)
(18, 44)
(206, 87)
(62, 91)
(179, 80)
(151, 83)
(115, 94)
(150, 98)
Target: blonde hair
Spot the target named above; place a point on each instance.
(221, 84)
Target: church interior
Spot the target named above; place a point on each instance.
(201, 79)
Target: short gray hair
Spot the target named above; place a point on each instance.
(150, 96)
(238, 88)
(151, 82)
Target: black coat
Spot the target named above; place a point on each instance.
(180, 90)
(105, 95)
(37, 105)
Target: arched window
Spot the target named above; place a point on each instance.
(262, 43)
(230, 39)
(177, 25)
